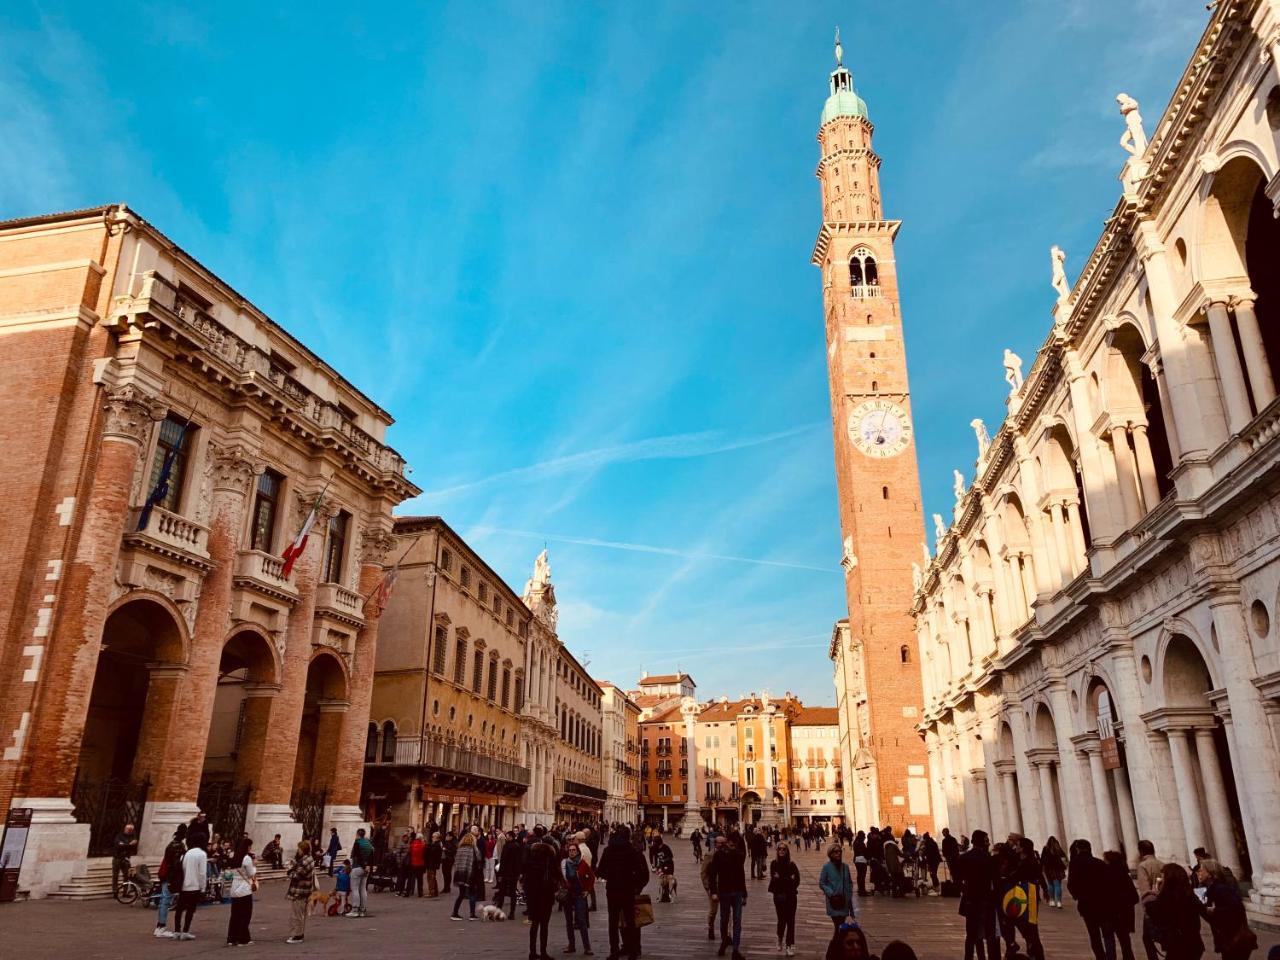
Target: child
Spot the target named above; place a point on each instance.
(341, 889)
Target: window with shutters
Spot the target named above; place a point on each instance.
(493, 680)
(506, 688)
(477, 672)
(460, 661)
(441, 652)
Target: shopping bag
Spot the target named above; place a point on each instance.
(644, 910)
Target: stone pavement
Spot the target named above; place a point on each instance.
(105, 930)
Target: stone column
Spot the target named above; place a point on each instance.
(1215, 796)
(1065, 565)
(1146, 466)
(1128, 822)
(1228, 363)
(978, 816)
(1126, 474)
(270, 811)
(1077, 534)
(1255, 354)
(1102, 799)
(1052, 826)
(1101, 523)
(164, 684)
(1188, 794)
(1076, 806)
(1028, 788)
(1011, 809)
(375, 542)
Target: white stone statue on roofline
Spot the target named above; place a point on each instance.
(957, 483)
(1134, 139)
(984, 438)
(1058, 258)
(1013, 370)
(939, 528)
(917, 577)
(542, 569)
(924, 548)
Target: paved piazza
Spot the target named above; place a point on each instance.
(400, 928)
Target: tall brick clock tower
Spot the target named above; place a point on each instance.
(881, 518)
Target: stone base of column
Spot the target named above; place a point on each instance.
(691, 821)
(57, 846)
(264, 820)
(348, 819)
(159, 821)
(770, 816)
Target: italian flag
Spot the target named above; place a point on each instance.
(294, 550)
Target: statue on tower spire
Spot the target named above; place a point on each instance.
(839, 49)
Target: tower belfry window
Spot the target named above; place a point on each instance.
(864, 277)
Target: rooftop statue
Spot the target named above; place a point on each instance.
(1134, 139)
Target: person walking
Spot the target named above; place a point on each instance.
(860, 861)
(1053, 866)
(1175, 914)
(541, 879)
(976, 872)
(784, 884)
(361, 860)
(464, 865)
(1148, 875)
(302, 881)
(170, 876)
(704, 871)
(243, 884)
(579, 880)
(729, 888)
(1232, 938)
(195, 865)
(931, 857)
(331, 851)
(695, 838)
(1122, 897)
(837, 887)
(623, 869)
(1088, 885)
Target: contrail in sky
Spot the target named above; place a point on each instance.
(679, 446)
(649, 548)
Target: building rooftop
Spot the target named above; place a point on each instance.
(663, 679)
(816, 717)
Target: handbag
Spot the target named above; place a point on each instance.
(837, 901)
(643, 910)
(1243, 941)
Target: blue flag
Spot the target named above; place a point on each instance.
(161, 489)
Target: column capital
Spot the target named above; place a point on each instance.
(376, 541)
(130, 412)
(233, 466)
(334, 706)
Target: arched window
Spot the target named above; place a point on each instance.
(388, 742)
(905, 653)
(371, 744)
(864, 278)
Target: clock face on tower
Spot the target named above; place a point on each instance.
(879, 428)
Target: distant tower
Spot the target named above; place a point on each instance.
(881, 520)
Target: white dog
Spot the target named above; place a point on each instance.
(491, 914)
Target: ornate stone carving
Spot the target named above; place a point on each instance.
(1012, 370)
(1057, 258)
(375, 543)
(232, 467)
(957, 484)
(130, 411)
(1134, 139)
(984, 438)
(939, 528)
(848, 559)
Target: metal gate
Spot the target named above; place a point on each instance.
(307, 807)
(226, 805)
(107, 806)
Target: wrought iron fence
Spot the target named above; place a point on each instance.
(226, 805)
(307, 807)
(107, 806)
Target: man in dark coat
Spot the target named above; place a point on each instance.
(1089, 885)
(977, 875)
(950, 851)
(728, 888)
(623, 869)
(510, 865)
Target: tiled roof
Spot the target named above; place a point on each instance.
(816, 717)
(663, 678)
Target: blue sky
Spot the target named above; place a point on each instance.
(567, 246)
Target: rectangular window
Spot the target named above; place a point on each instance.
(466, 578)
(446, 559)
(493, 679)
(774, 775)
(519, 694)
(265, 502)
(511, 616)
(477, 672)
(484, 592)
(336, 548)
(441, 652)
(751, 776)
(460, 662)
(171, 441)
(506, 688)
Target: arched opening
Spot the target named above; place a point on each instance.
(1201, 758)
(1047, 761)
(1006, 770)
(1065, 509)
(371, 744)
(1141, 451)
(864, 276)
(388, 741)
(984, 585)
(320, 733)
(1018, 559)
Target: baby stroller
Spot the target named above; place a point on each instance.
(881, 882)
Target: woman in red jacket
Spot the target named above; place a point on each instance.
(417, 864)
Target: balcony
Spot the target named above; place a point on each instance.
(340, 603)
(864, 291)
(260, 571)
(579, 790)
(169, 556)
(171, 534)
(424, 752)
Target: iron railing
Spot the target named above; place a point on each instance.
(307, 807)
(106, 807)
(227, 807)
(425, 752)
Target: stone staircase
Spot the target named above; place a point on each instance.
(95, 883)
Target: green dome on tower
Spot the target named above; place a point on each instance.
(844, 101)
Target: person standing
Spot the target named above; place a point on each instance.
(579, 879)
(1149, 869)
(665, 864)
(860, 861)
(695, 838)
(1122, 897)
(1175, 913)
(449, 850)
(126, 847)
(704, 870)
(170, 876)
(950, 852)
(930, 856)
(784, 884)
(622, 867)
(198, 831)
(1087, 883)
(361, 861)
(1053, 864)
(837, 887)
(729, 888)
(510, 863)
(417, 864)
(541, 879)
(195, 864)
(976, 872)
(432, 857)
(332, 850)
(464, 866)
(1232, 938)
(302, 881)
(243, 884)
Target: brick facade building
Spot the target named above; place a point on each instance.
(145, 658)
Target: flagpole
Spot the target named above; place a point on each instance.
(411, 545)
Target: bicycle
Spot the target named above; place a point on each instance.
(138, 888)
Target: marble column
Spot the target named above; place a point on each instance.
(1028, 788)
(1146, 467)
(1255, 353)
(1065, 566)
(1102, 800)
(1126, 474)
(1052, 827)
(1077, 818)
(1188, 794)
(1012, 812)
(1077, 535)
(1215, 795)
(1128, 820)
(1228, 364)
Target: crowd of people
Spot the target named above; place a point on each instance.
(1001, 887)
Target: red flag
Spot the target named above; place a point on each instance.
(294, 550)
